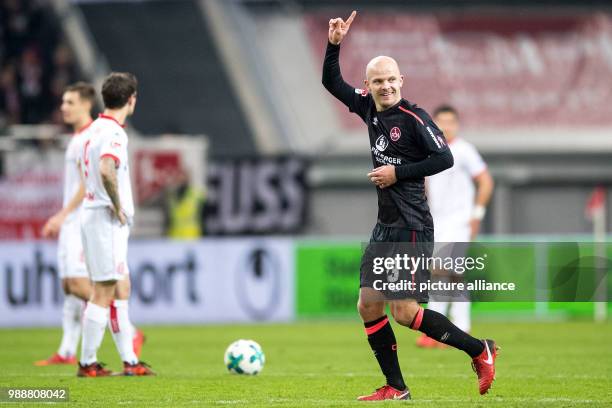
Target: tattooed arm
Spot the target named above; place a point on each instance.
(108, 172)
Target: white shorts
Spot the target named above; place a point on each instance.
(70, 256)
(105, 242)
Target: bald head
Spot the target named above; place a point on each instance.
(384, 82)
(381, 65)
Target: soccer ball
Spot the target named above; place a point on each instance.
(244, 357)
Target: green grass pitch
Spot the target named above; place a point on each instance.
(327, 364)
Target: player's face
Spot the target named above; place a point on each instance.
(384, 82)
(448, 123)
(73, 108)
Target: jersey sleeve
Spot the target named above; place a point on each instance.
(474, 163)
(356, 100)
(429, 136)
(115, 147)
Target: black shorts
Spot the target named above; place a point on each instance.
(402, 280)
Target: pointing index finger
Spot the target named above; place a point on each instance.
(351, 18)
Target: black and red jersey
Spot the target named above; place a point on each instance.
(403, 135)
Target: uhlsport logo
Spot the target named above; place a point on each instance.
(395, 134)
(382, 143)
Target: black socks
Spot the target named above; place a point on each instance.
(438, 327)
(382, 340)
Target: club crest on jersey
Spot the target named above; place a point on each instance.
(375, 121)
(395, 134)
(362, 92)
(381, 143)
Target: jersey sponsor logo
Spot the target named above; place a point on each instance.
(384, 159)
(362, 92)
(395, 134)
(382, 143)
(434, 137)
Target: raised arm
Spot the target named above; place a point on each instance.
(332, 77)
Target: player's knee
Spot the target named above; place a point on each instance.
(370, 310)
(404, 313)
(104, 293)
(123, 289)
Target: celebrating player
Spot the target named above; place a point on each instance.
(458, 198)
(108, 211)
(406, 146)
(77, 102)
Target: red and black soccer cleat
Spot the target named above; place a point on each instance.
(56, 359)
(138, 341)
(386, 392)
(484, 366)
(93, 370)
(138, 369)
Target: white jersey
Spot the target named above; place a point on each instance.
(451, 193)
(72, 172)
(106, 138)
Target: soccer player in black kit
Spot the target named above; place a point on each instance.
(406, 146)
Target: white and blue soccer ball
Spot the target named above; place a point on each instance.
(244, 357)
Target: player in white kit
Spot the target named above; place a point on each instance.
(458, 198)
(107, 215)
(77, 102)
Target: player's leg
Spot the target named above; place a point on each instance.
(71, 268)
(380, 334)
(71, 322)
(77, 287)
(124, 333)
(382, 341)
(123, 323)
(437, 305)
(120, 324)
(437, 326)
(71, 331)
(95, 320)
(97, 242)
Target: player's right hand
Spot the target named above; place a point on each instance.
(52, 226)
(338, 28)
(119, 215)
